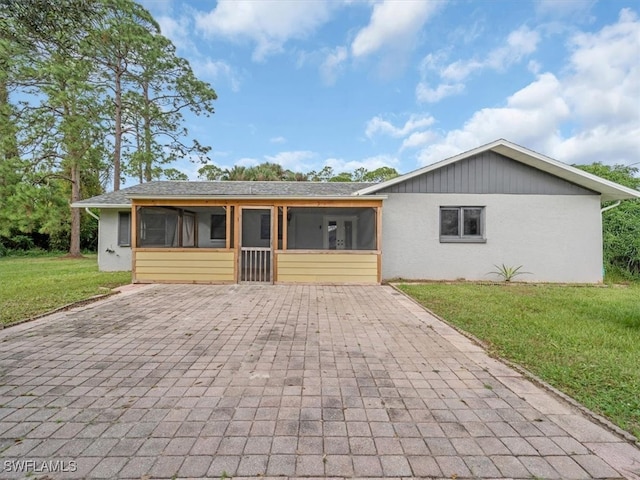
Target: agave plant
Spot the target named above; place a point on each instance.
(508, 272)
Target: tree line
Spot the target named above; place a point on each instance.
(90, 92)
(620, 225)
(269, 171)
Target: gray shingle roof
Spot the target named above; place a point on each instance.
(201, 189)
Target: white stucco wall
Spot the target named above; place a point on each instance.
(556, 238)
(111, 257)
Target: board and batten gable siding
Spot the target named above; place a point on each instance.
(111, 257)
(488, 172)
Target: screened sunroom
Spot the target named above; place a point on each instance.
(249, 240)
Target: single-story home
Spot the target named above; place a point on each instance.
(499, 204)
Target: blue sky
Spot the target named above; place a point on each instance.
(402, 83)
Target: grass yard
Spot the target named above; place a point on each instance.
(585, 341)
(33, 285)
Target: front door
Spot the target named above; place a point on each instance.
(340, 232)
(256, 245)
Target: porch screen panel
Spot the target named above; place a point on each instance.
(331, 228)
(157, 227)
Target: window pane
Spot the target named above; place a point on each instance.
(124, 229)
(449, 222)
(332, 228)
(472, 221)
(219, 226)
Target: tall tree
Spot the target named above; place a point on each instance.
(163, 88)
(124, 31)
(52, 75)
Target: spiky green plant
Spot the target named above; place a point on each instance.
(507, 272)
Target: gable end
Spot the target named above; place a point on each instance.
(488, 172)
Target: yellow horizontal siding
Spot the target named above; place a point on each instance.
(189, 265)
(328, 257)
(327, 268)
(183, 277)
(182, 255)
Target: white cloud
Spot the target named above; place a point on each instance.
(530, 117)
(177, 30)
(392, 23)
(217, 70)
(426, 94)
(268, 23)
(415, 122)
(519, 43)
(297, 160)
(370, 163)
(333, 64)
(606, 71)
(418, 139)
(278, 140)
(247, 162)
(589, 114)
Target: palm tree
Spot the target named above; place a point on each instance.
(236, 173)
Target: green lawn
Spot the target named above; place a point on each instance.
(585, 341)
(33, 285)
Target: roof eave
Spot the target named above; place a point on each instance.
(608, 190)
(248, 197)
(100, 205)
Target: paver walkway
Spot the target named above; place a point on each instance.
(212, 381)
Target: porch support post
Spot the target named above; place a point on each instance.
(379, 241)
(227, 210)
(236, 243)
(285, 227)
(134, 238)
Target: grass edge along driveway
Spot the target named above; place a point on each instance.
(30, 286)
(583, 340)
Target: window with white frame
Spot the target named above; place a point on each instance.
(462, 224)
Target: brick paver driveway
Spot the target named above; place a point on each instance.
(214, 381)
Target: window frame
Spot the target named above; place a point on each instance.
(461, 237)
(127, 243)
(224, 224)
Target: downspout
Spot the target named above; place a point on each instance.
(86, 209)
(602, 210)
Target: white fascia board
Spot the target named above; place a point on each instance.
(101, 205)
(608, 190)
(252, 197)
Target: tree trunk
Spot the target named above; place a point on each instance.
(117, 141)
(146, 128)
(74, 243)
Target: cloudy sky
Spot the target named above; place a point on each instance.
(402, 83)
